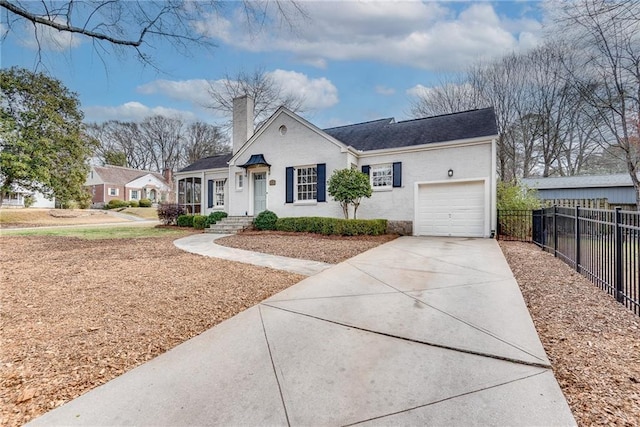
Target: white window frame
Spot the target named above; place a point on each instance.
(381, 176)
(218, 193)
(239, 181)
(310, 194)
(131, 194)
(113, 192)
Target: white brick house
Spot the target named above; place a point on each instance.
(436, 174)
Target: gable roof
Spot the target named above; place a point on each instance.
(280, 111)
(120, 175)
(386, 133)
(211, 162)
(581, 181)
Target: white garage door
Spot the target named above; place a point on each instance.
(451, 209)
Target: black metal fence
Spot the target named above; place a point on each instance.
(603, 245)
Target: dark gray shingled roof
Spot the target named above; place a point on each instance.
(212, 162)
(386, 133)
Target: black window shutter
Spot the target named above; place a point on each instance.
(365, 169)
(322, 182)
(289, 185)
(397, 174)
(210, 193)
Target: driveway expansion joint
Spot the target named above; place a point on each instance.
(445, 399)
(273, 365)
(416, 341)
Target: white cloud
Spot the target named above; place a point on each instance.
(132, 112)
(195, 91)
(386, 91)
(420, 34)
(317, 93)
(47, 38)
(418, 91)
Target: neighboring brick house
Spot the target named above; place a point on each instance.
(106, 183)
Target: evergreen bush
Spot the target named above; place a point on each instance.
(185, 220)
(199, 221)
(266, 220)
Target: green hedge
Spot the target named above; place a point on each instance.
(115, 203)
(333, 226)
(185, 221)
(133, 203)
(199, 222)
(214, 217)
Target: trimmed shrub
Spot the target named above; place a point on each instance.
(199, 222)
(333, 226)
(185, 221)
(145, 203)
(215, 217)
(115, 203)
(133, 203)
(266, 220)
(29, 200)
(168, 213)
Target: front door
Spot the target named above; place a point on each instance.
(259, 192)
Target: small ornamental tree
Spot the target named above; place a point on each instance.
(348, 186)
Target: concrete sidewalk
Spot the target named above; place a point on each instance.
(204, 244)
(418, 331)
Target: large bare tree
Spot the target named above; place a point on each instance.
(607, 34)
(203, 140)
(267, 93)
(140, 25)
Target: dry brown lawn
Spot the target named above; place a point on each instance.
(12, 217)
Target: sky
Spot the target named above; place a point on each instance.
(352, 61)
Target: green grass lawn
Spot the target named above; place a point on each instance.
(102, 232)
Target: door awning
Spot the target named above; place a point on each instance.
(255, 160)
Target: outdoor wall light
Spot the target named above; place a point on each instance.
(450, 173)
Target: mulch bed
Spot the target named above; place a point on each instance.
(329, 249)
(593, 342)
(77, 313)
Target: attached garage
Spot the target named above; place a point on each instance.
(452, 208)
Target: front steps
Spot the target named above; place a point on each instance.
(230, 225)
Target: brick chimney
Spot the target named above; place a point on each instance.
(167, 175)
(242, 121)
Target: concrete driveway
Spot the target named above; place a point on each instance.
(419, 331)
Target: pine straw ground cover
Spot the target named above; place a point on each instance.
(76, 313)
(593, 342)
(316, 247)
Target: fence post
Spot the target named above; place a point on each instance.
(577, 228)
(555, 231)
(618, 256)
(498, 227)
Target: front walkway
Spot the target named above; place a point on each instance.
(203, 244)
(418, 331)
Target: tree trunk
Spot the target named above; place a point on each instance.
(345, 209)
